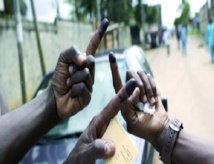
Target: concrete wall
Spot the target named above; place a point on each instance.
(204, 16)
(54, 39)
(203, 19)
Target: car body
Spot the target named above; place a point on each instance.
(55, 146)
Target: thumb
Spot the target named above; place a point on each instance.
(102, 149)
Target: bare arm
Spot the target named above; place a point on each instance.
(22, 127)
(190, 149)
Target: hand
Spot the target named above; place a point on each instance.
(89, 146)
(139, 123)
(74, 76)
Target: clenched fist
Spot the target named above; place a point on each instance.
(74, 76)
(72, 82)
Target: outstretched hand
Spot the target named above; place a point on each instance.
(139, 123)
(74, 76)
(89, 146)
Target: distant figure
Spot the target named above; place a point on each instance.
(210, 38)
(178, 36)
(184, 39)
(166, 38)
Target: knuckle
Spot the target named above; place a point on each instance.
(86, 73)
(149, 88)
(81, 87)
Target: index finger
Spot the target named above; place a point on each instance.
(95, 40)
(115, 104)
(117, 82)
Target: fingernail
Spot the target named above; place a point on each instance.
(144, 98)
(109, 148)
(70, 70)
(152, 100)
(156, 99)
(103, 26)
(112, 58)
(82, 59)
(68, 81)
(130, 87)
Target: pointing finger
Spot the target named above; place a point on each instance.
(114, 105)
(95, 40)
(117, 82)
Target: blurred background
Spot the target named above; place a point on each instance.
(33, 33)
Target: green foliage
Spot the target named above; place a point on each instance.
(9, 8)
(197, 14)
(151, 14)
(115, 10)
(83, 9)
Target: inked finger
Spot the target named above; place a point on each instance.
(131, 74)
(95, 40)
(117, 82)
(114, 106)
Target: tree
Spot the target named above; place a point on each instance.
(9, 8)
(116, 11)
(151, 14)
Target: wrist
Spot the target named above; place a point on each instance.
(168, 139)
(51, 103)
(162, 136)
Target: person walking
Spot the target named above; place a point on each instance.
(210, 38)
(184, 39)
(166, 38)
(178, 36)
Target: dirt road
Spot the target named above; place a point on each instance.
(188, 83)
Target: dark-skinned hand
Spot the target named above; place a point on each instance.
(141, 124)
(90, 146)
(74, 76)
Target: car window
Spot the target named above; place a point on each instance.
(103, 92)
(136, 60)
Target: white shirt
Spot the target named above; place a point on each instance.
(166, 37)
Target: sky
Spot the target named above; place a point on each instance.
(170, 9)
(46, 9)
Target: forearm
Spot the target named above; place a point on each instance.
(190, 149)
(21, 128)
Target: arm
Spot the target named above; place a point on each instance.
(188, 149)
(68, 94)
(21, 128)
